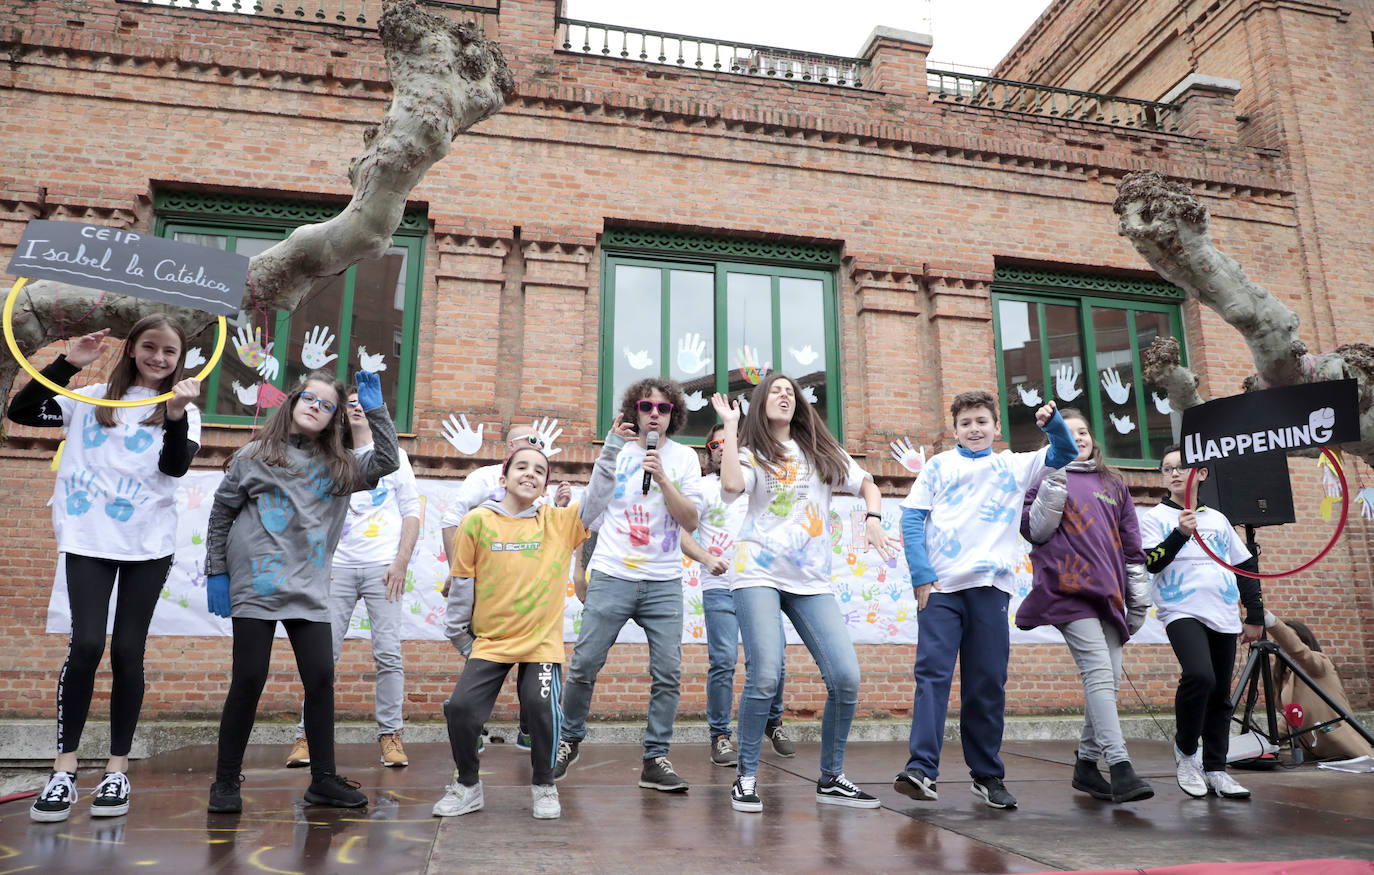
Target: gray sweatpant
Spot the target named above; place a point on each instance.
(1096, 648)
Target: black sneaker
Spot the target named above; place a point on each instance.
(839, 790)
(744, 795)
(522, 740)
(225, 798)
(111, 797)
(658, 774)
(915, 784)
(335, 790)
(993, 792)
(782, 745)
(54, 804)
(566, 756)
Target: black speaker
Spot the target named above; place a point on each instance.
(1251, 491)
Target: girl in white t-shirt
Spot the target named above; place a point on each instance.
(114, 513)
(788, 467)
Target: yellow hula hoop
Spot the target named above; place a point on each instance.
(99, 402)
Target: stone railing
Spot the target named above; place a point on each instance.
(1046, 100)
(703, 53)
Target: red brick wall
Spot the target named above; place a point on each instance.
(924, 199)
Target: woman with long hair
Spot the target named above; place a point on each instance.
(1089, 583)
(276, 520)
(114, 513)
(787, 464)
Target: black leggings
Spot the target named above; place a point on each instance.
(1202, 705)
(314, 647)
(539, 685)
(90, 582)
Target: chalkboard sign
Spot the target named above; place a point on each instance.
(1287, 418)
(129, 263)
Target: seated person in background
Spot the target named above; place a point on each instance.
(1339, 741)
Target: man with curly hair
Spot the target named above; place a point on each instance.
(636, 574)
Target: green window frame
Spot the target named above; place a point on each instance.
(718, 271)
(254, 222)
(1038, 308)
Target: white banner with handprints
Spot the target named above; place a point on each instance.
(874, 596)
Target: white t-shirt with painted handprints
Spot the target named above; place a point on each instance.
(637, 539)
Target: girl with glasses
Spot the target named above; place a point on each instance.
(788, 466)
(276, 520)
(114, 512)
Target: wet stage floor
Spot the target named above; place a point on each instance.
(610, 825)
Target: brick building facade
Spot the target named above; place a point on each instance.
(940, 228)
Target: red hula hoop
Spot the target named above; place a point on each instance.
(1340, 526)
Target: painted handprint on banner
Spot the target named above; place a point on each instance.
(689, 354)
(1066, 383)
(907, 456)
(373, 364)
(637, 518)
(805, 356)
(253, 353)
(458, 433)
(751, 365)
(1029, 397)
(639, 360)
(317, 343)
(1115, 389)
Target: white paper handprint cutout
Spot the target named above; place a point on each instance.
(1115, 389)
(247, 395)
(373, 364)
(809, 393)
(548, 432)
(638, 360)
(254, 354)
(1161, 403)
(317, 343)
(1066, 383)
(689, 354)
(744, 404)
(907, 456)
(194, 358)
(463, 438)
(696, 401)
(1123, 424)
(1029, 397)
(804, 356)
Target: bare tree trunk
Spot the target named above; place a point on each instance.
(1169, 227)
(445, 78)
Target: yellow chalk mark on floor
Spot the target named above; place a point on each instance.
(145, 862)
(398, 834)
(6, 852)
(20, 869)
(346, 852)
(258, 864)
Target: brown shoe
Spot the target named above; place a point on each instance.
(300, 754)
(393, 753)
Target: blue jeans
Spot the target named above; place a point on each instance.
(722, 650)
(970, 625)
(656, 606)
(817, 620)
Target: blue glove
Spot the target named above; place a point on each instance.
(217, 594)
(369, 391)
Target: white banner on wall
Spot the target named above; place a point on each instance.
(874, 596)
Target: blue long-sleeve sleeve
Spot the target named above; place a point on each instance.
(1063, 448)
(914, 541)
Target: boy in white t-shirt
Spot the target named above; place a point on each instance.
(636, 574)
(961, 527)
(1198, 602)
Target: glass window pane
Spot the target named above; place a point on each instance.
(692, 344)
(1158, 420)
(375, 318)
(636, 335)
(214, 241)
(1064, 336)
(321, 309)
(801, 330)
(1018, 327)
(749, 324)
(1115, 383)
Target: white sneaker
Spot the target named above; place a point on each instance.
(1190, 778)
(1225, 786)
(546, 805)
(459, 799)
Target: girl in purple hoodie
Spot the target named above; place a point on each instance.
(1089, 583)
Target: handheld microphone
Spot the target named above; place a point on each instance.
(650, 442)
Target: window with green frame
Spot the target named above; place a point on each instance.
(1076, 339)
(373, 305)
(692, 307)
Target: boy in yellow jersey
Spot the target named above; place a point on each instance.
(505, 607)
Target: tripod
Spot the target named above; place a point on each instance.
(1259, 666)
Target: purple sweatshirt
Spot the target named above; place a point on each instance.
(1080, 572)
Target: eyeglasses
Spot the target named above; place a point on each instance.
(664, 407)
(714, 445)
(353, 402)
(312, 398)
(533, 440)
(1170, 469)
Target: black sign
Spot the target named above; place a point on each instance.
(1290, 418)
(113, 260)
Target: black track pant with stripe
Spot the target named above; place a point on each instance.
(540, 687)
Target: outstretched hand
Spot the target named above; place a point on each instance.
(87, 348)
(1045, 414)
(727, 410)
(369, 391)
(623, 428)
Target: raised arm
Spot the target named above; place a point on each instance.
(602, 484)
(1044, 508)
(383, 459)
(731, 474)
